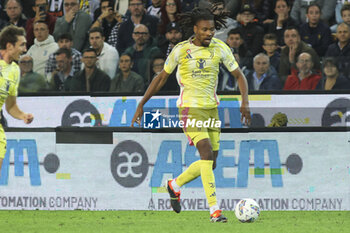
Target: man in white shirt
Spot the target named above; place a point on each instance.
(44, 45)
(108, 56)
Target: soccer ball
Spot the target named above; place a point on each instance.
(247, 210)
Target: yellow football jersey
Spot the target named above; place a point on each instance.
(9, 80)
(197, 72)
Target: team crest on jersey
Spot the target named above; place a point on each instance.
(201, 63)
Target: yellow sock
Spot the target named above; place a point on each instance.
(208, 181)
(191, 173)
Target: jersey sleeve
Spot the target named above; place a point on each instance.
(172, 60)
(13, 89)
(228, 59)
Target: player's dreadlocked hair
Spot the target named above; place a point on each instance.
(189, 19)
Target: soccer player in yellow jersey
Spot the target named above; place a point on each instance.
(198, 62)
(12, 45)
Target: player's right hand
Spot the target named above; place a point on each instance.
(137, 116)
(245, 111)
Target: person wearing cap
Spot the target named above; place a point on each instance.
(252, 33)
(332, 79)
(173, 36)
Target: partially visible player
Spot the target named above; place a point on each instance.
(12, 45)
(198, 62)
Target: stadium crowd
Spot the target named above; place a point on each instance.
(120, 45)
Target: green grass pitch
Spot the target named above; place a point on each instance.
(165, 221)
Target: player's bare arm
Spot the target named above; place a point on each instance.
(243, 87)
(156, 84)
(13, 109)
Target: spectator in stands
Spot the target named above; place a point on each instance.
(157, 66)
(257, 7)
(62, 76)
(341, 49)
(235, 42)
(41, 14)
(14, 13)
(137, 17)
(332, 79)
(108, 56)
(342, 14)
(91, 78)
(243, 56)
(173, 36)
(108, 19)
(113, 37)
(299, 10)
(294, 47)
(270, 46)
(154, 9)
(30, 81)
(142, 51)
(74, 21)
(345, 13)
(304, 78)
(315, 32)
(268, 9)
(264, 76)
(44, 45)
(252, 33)
(64, 41)
(219, 6)
(170, 10)
(127, 80)
(281, 21)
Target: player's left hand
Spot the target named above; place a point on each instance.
(138, 115)
(245, 111)
(28, 118)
